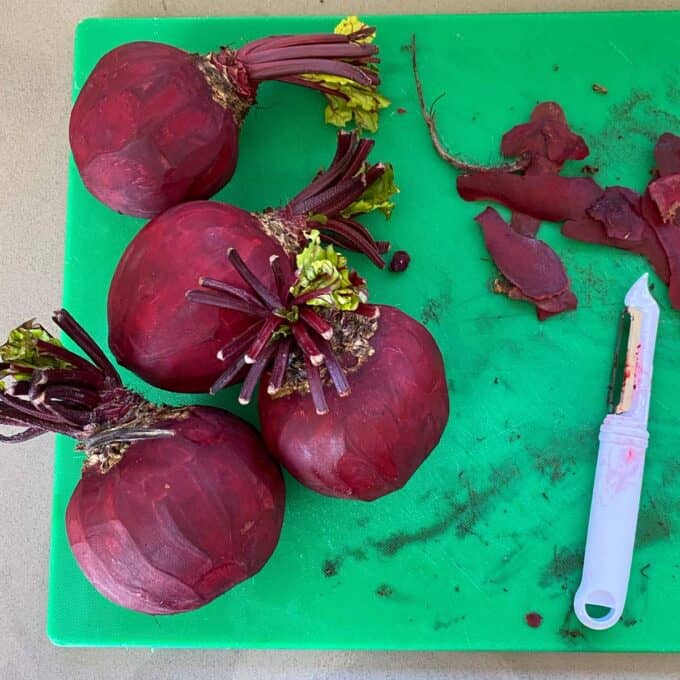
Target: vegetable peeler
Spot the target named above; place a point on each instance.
(600, 598)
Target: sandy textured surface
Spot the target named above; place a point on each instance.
(35, 82)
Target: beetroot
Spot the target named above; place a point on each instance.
(154, 126)
(339, 377)
(371, 443)
(172, 343)
(175, 505)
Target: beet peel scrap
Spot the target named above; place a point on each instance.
(531, 269)
(546, 137)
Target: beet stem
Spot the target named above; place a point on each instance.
(227, 376)
(125, 434)
(310, 295)
(26, 408)
(307, 344)
(70, 415)
(291, 40)
(23, 436)
(316, 388)
(335, 370)
(224, 301)
(312, 85)
(295, 67)
(19, 418)
(364, 148)
(254, 374)
(58, 352)
(263, 337)
(315, 51)
(335, 198)
(85, 341)
(316, 323)
(346, 229)
(269, 299)
(214, 284)
(429, 118)
(80, 396)
(238, 345)
(280, 366)
(347, 148)
(282, 288)
(81, 378)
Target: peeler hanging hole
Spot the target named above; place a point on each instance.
(598, 611)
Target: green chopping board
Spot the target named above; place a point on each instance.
(492, 526)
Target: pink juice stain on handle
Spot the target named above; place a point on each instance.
(622, 470)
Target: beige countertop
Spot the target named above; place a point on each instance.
(35, 83)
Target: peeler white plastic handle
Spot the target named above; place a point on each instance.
(618, 475)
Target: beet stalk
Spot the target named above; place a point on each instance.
(154, 126)
(173, 344)
(339, 378)
(175, 505)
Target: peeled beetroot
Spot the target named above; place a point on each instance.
(154, 126)
(353, 396)
(175, 505)
(173, 343)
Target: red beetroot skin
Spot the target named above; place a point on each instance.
(546, 136)
(549, 142)
(669, 238)
(618, 209)
(665, 192)
(667, 154)
(547, 307)
(589, 230)
(178, 522)
(545, 197)
(531, 265)
(371, 442)
(146, 133)
(153, 330)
